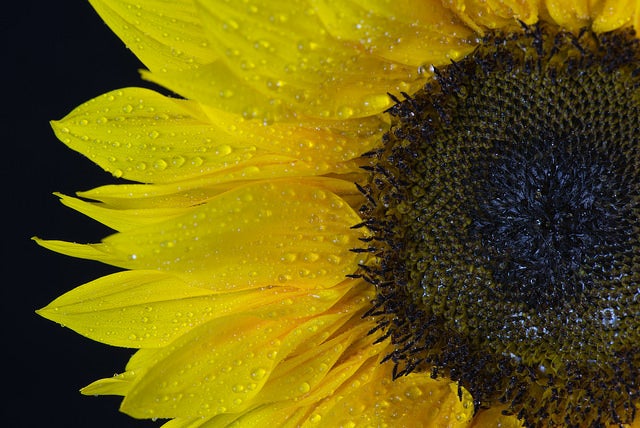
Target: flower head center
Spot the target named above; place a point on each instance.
(505, 205)
(543, 210)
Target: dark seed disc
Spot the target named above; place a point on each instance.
(505, 207)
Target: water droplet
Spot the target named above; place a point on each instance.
(333, 259)
(345, 112)
(311, 257)
(160, 164)
(154, 134)
(223, 150)
(177, 161)
(258, 373)
(304, 273)
(284, 278)
(231, 24)
(289, 257)
(117, 173)
(413, 392)
(128, 108)
(304, 387)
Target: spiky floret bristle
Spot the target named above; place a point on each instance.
(505, 209)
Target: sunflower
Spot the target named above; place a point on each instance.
(373, 214)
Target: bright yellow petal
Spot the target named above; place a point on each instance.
(355, 86)
(281, 415)
(224, 364)
(569, 14)
(127, 307)
(197, 191)
(494, 14)
(150, 309)
(164, 35)
(601, 15)
(279, 62)
(405, 31)
(220, 367)
(372, 399)
(200, 367)
(253, 236)
(309, 369)
(493, 417)
(143, 136)
(113, 386)
(187, 423)
(613, 14)
(121, 220)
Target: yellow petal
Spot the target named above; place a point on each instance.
(121, 220)
(352, 87)
(278, 61)
(372, 399)
(223, 364)
(253, 236)
(196, 375)
(111, 386)
(141, 135)
(219, 367)
(601, 15)
(124, 308)
(493, 417)
(614, 14)
(406, 31)
(188, 423)
(150, 309)
(281, 415)
(164, 35)
(494, 14)
(198, 191)
(309, 369)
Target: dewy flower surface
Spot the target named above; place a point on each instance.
(268, 258)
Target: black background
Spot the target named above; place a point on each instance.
(56, 55)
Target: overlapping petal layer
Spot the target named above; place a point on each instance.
(297, 372)
(149, 309)
(281, 232)
(164, 35)
(272, 60)
(141, 135)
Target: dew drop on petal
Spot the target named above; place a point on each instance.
(160, 164)
(304, 387)
(258, 373)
